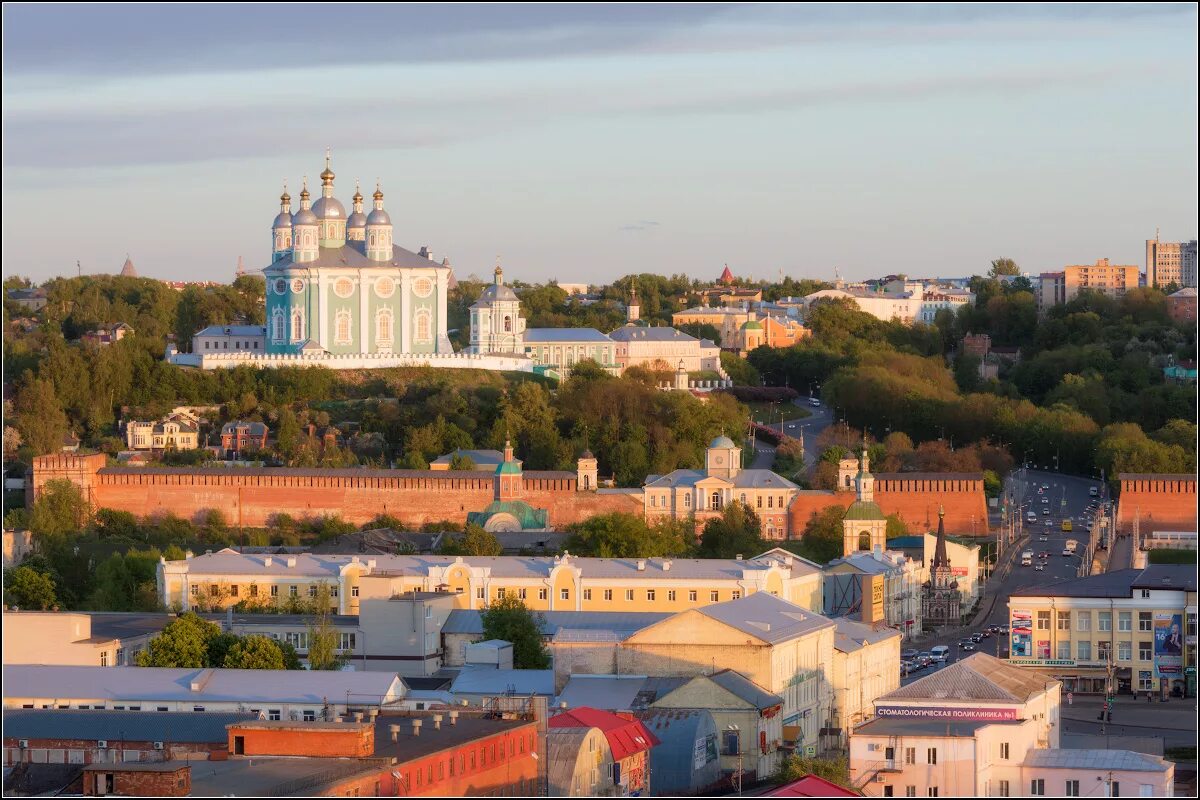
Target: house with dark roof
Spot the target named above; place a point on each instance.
(239, 438)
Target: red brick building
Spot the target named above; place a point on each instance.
(172, 779)
(1181, 306)
(1156, 503)
(239, 437)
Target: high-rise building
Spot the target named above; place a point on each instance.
(1170, 262)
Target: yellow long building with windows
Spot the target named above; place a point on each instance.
(561, 583)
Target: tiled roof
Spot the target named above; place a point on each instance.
(141, 726)
(977, 677)
(766, 617)
(1098, 760)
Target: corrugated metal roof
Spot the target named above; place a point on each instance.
(1099, 760)
(625, 736)
(641, 333)
(851, 634)
(540, 335)
(219, 685)
(1118, 583)
(742, 687)
(486, 681)
(767, 617)
(977, 677)
(352, 254)
(608, 692)
(470, 621)
(140, 726)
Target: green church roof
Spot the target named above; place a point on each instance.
(861, 509)
(509, 468)
(530, 518)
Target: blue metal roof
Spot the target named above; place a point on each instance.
(140, 726)
(540, 335)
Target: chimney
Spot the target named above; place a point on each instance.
(453, 717)
(395, 731)
(373, 714)
(187, 554)
(437, 722)
(358, 716)
(291, 561)
(416, 727)
(878, 552)
(371, 563)
(666, 565)
(641, 566)
(739, 556)
(268, 561)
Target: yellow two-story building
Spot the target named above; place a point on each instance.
(560, 583)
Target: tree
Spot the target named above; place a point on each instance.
(1004, 266)
(740, 370)
(254, 652)
(183, 643)
(834, 770)
(26, 588)
(474, 541)
(737, 531)
(508, 619)
(822, 540)
(620, 535)
(323, 639)
(291, 659)
(41, 419)
(59, 509)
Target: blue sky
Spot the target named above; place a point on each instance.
(586, 142)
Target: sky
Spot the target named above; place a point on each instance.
(585, 142)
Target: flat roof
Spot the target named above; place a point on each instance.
(139, 726)
(1096, 760)
(916, 726)
(468, 728)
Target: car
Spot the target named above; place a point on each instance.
(985, 634)
(968, 645)
(815, 403)
(1049, 524)
(1039, 567)
(1043, 538)
(908, 655)
(929, 656)
(1045, 512)
(1045, 501)
(976, 637)
(995, 628)
(1045, 486)
(1067, 553)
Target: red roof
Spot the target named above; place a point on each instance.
(726, 276)
(625, 736)
(811, 786)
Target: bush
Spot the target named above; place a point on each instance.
(1166, 556)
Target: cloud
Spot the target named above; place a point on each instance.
(644, 225)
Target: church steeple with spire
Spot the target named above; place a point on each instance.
(941, 600)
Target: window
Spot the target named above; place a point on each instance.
(120, 656)
(310, 715)
(1124, 620)
(383, 327)
(480, 593)
(650, 595)
(354, 591)
(737, 595)
(1004, 750)
(342, 334)
(1064, 650)
(564, 594)
(214, 590)
(293, 590)
(1145, 621)
(543, 594)
(1037, 787)
(758, 501)
(1072, 789)
(608, 594)
(910, 755)
(195, 591)
(1003, 792)
(1085, 651)
(348, 641)
(199, 709)
(933, 791)
(1083, 621)
(714, 596)
(1145, 651)
(1064, 620)
(692, 595)
(910, 791)
(770, 501)
(104, 658)
(731, 743)
(274, 591)
(1145, 594)
(1124, 651)
(687, 500)
(254, 590)
(887, 791)
(1043, 621)
(297, 326)
(233, 590)
(931, 755)
(671, 595)
(500, 593)
(1104, 651)
(312, 591)
(587, 594)
(161, 708)
(1105, 621)
(715, 501)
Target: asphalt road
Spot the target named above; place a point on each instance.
(812, 427)
(1067, 497)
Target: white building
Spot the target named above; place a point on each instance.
(496, 322)
(866, 666)
(223, 338)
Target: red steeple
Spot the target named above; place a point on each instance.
(726, 277)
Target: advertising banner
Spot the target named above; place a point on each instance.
(1043, 648)
(947, 712)
(1168, 643)
(1021, 627)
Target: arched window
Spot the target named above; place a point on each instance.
(508, 324)
(277, 329)
(687, 500)
(342, 333)
(587, 482)
(716, 501)
(743, 498)
(864, 541)
(424, 326)
(383, 327)
(297, 325)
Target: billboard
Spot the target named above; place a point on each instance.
(947, 712)
(1168, 643)
(1021, 626)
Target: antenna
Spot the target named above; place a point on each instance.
(78, 269)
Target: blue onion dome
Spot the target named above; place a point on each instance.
(329, 208)
(379, 217)
(305, 216)
(282, 220)
(357, 218)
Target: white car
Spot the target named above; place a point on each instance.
(1043, 538)
(1039, 567)
(1045, 501)
(1049, 523)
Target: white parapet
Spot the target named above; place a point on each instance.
(228, 360)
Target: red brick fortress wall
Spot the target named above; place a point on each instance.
(250, 497)
(1157, 503)
(914, 497)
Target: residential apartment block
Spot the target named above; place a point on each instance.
(1056, 288)
(1139, 625)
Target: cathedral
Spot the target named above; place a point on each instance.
(940, 601)
(338, 285)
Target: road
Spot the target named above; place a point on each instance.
(1067, 497)
(812, 426)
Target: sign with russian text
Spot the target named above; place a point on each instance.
(947, 713)
(1168, 643)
